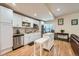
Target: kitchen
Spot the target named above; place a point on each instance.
(13, 27)
(26, 26)
(18, 30)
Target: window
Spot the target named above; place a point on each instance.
(48, 27)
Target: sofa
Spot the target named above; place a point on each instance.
(74, 41)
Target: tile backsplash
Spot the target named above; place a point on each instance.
(20, 29)
(24, 30)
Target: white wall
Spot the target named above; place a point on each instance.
(67, 24)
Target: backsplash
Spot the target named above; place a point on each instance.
(24, 30)
(20, 29)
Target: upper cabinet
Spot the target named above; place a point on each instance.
(28, 20)
(36, 22)
(31, 21)
(6, 15)
(17, 20)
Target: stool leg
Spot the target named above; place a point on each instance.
(40, 49)
(34, 49)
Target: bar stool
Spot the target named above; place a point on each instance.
(40, 42)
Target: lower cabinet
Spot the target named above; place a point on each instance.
(28, 38)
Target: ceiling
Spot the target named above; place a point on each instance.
(45, 11)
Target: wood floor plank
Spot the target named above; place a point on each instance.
(61, 48)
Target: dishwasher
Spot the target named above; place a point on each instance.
(18, 41)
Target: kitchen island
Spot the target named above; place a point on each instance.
(30, 37)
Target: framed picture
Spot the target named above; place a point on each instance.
(74, 22)
(60, 21)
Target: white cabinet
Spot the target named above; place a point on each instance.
(31, 21)
(32, 38)
(6, 15)
(6, 30)
(6, 36)
(17, 21)
(28, 38)
(28, 20)
(38, 35)
(36, 22)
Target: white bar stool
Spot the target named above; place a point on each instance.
(40, 42)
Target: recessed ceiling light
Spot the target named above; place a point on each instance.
(58, 9)
(35, 14)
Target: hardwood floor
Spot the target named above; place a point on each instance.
(61, 48)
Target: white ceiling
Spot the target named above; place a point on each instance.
(65, 8)
(42, 10)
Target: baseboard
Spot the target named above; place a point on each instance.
(2, 52)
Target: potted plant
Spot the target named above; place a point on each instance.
(62, 31)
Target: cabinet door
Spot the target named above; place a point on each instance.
(17, 21)
(33, 36)
(36, 22)
(15, 24)
(38, 36)
(6, 15)
(29, 20)
(6, 33)
(26, 39)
